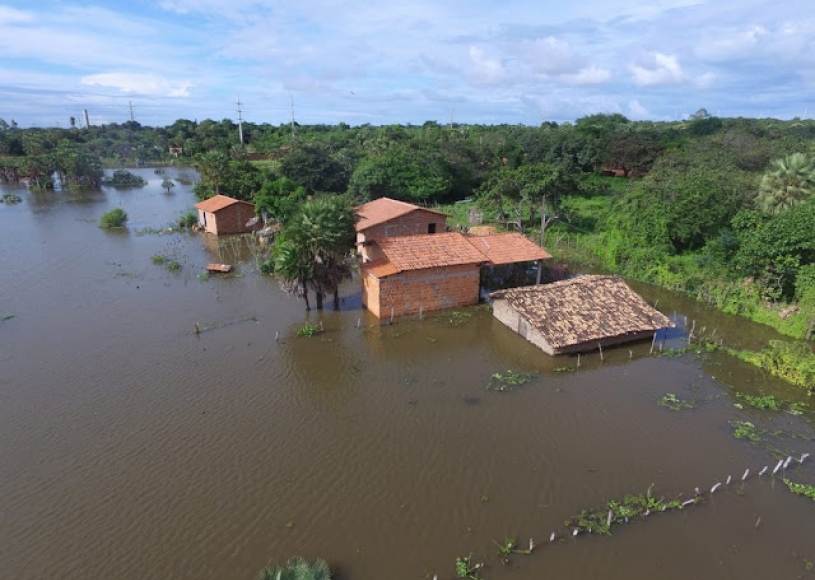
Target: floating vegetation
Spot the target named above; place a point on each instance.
(510, 546)
(801, 489)
(6, 317)
(763, 402)
(158, 259)
(171, 265)
(466, 569)
(507, 381)
(674, 403)
(11, 198)
(308, 330)
(297, 568)
(602, 520)
(456, 318)
(796, 408)
(745, 430)
(564, 369)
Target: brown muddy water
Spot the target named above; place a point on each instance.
(130, 447)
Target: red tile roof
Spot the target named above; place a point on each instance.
(429, 251)
(385, 209)
(583, 309)
(379, 268)
(508, 248)
(218, 203)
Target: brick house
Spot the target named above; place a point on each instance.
(413, 274)
(388, 218)
(223, 215)
(578, 315)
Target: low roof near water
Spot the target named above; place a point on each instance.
(385, 209)
(508, 248)
(427, 251)
(219, 202)
(583, 309)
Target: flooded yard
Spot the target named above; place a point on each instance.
(131, 446)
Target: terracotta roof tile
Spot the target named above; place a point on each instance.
(429, 251)
(508, 248)
(379, 268)
(385, 209)
(218, 203)
(583, 309)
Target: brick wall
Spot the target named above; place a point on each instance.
(415, 223)
(229, 220)
(422, 290)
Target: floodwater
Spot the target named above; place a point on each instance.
(132, 447)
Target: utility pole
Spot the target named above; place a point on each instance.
(292, 115)
(130, 104)
(240, 122)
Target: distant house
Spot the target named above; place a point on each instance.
(223, 215)
(411, 274)
(388, 218)
(578, 314)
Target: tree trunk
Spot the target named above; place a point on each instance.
(305, 297)
(336, 298)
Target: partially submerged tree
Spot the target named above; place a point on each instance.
(314, 249)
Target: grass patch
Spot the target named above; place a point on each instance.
(158, 259)
(456, 318)
(115, 218)
(792, 361)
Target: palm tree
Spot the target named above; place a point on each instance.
(314, 252)
(297, 569)
(789, 182)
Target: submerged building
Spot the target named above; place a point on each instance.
(579, 314)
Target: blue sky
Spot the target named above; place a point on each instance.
(403, 61)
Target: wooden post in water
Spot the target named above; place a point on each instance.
(359, 322)
(392, 312)
(578, 360)
(421, 312)
(600, 348)
(653, 343)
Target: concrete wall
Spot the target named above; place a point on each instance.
(509, 316)
(421, 290)
(229, 220)
(415, 223)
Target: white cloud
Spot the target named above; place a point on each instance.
(484, 69)
(550, 55)
(141, 84)
(592, 75)
(637, 111)
(9, 15)
(663, 69)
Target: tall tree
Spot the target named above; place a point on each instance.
(789, 182)
(314, 251)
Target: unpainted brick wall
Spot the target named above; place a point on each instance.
(423, 290)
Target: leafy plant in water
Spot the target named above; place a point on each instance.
(297, 569)
(11, 198)
(188, 219)
(115, 218)
(801, 489)
(173, 266)
(674, 403)
(465, 568)
(615, 512)
(158, 259)
(506, 381)
(308, 330)
(457, 317)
